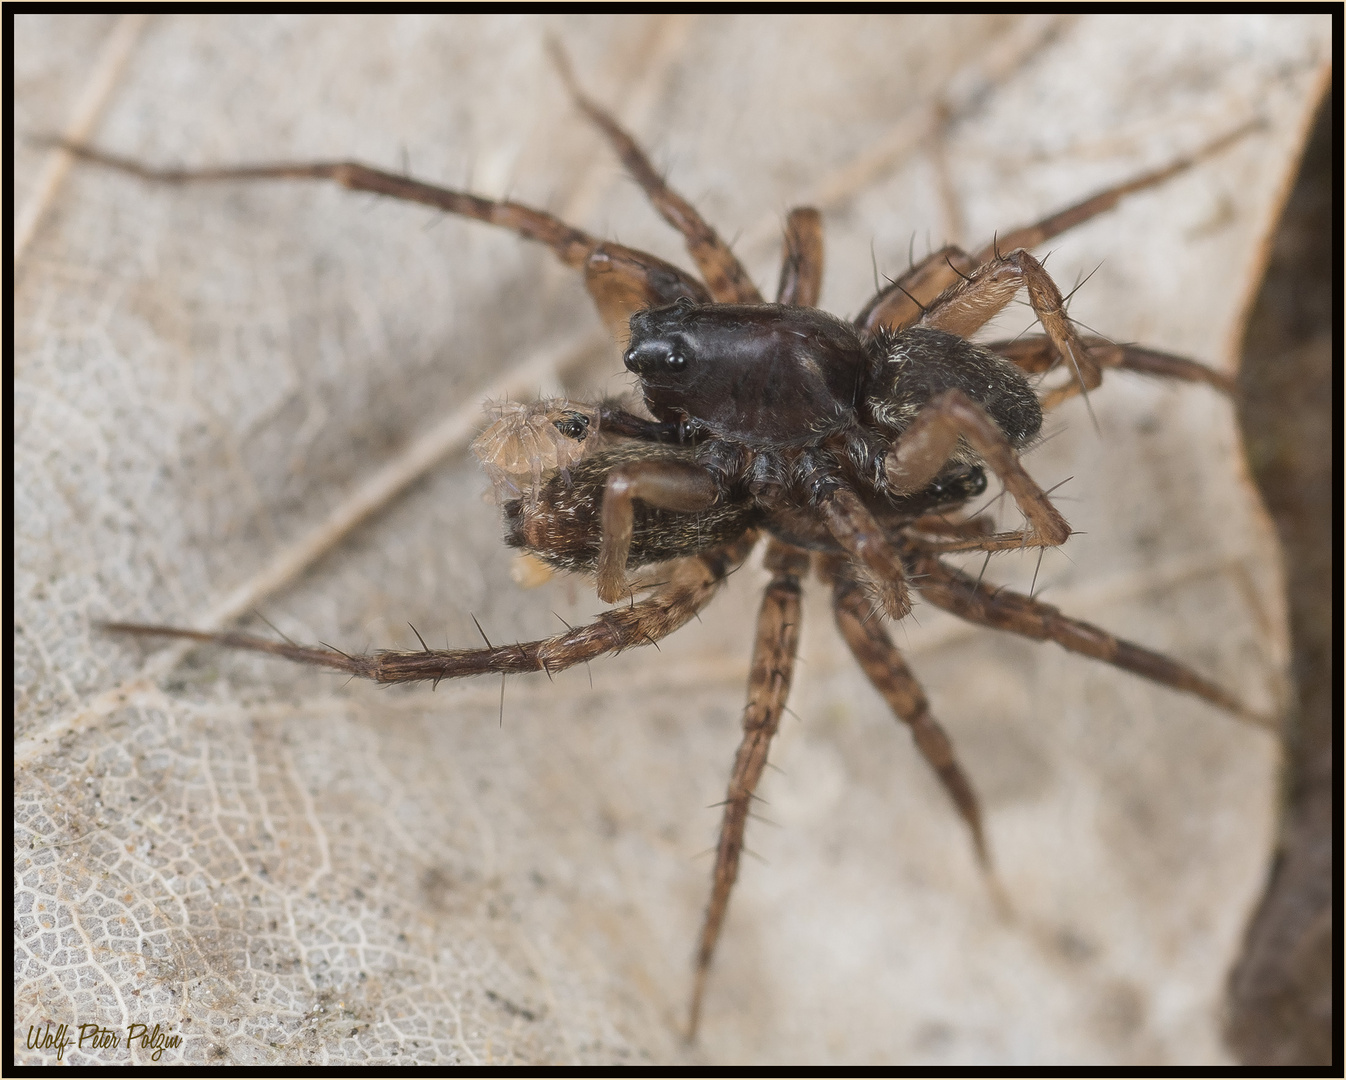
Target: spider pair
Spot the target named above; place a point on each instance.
(852, 448)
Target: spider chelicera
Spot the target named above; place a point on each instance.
(851, 448)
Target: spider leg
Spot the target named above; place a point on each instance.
(668, 485)
(864, 540)
(801, 272)
(975, 528)
(773, 660)
(966, 306)
(925, 446)
(1003, 609)
(883, 665)
(1037, 354)
(1040, 232)
(724, 274)
(614, 420)
(619, 279)
(622, 281)
(901, 303)
(691, 584)
(898, 305)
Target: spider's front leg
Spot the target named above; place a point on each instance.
(923, 449)
(773, 661)
(801, 272)
(691, 584)
(620, 280)
(725, 275)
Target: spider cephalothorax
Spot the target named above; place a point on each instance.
(852, 448)
(778, 408)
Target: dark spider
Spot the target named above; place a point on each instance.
(850, 446)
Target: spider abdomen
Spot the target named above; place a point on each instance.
(563, 525)
(909, 368)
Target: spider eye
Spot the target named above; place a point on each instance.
(573, 425)
(656, 357)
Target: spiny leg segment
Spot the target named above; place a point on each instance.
(883, 665)
(1036, 355)
(901, 303)
(966, 306)
(724, 274)
(619, 279)
(1003, 609)
(773, 661)
(691, 584)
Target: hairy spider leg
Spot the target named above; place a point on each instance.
(883, 665)
(900, 304)
(620, 280)
(773, 661)
(801, 272)
(961, 528)
(723, 273)
(923, 449)
(863, 539)
(691, 584)
(971, 302)
(1036, 354)
(1003, 609)
(668, 485)
(1031, 236)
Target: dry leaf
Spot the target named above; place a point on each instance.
(280, 868)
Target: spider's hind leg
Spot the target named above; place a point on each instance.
(773, 660)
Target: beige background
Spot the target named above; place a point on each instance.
(282, 868)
